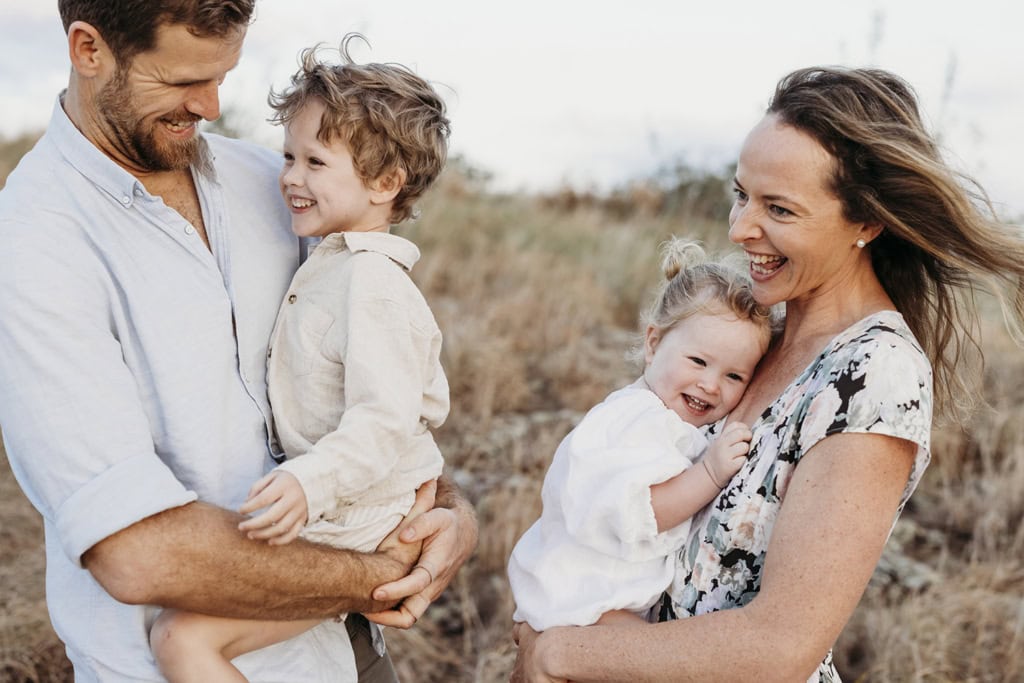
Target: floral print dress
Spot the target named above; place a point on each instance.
(871, 378)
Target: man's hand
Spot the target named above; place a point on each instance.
(449, 537)
(286, 509)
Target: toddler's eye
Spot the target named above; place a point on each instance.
(698, 361)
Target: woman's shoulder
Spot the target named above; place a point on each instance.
(880, 337)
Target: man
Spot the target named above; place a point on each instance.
(140, 269)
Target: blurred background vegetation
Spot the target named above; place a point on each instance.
(538, 297)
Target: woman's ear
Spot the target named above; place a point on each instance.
(387, 186)
(869, 231)
(88, 52)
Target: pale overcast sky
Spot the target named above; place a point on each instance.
(543, 92)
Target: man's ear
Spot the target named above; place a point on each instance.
(387, 186)
(89, 53)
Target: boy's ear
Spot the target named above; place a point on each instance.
(387, 186)
(89, 54)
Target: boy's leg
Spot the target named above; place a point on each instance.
(198, 647)
(373, 668)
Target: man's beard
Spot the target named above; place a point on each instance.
(133, 138)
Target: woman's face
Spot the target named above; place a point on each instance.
(787, 220)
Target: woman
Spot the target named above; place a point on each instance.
(852, 221)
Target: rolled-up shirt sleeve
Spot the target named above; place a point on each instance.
(74, 427)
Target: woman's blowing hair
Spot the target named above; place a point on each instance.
(941, 241)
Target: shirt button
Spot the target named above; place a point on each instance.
(292, 298)
(126, 200)
(189, 230)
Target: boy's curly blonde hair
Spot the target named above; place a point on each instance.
(387, 116)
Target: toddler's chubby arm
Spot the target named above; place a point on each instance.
(285, 513)
(681, 497)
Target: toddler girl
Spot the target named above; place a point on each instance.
(625, 482)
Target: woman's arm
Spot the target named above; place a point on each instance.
(825, 544)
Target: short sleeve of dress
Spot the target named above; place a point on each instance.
(877, 382)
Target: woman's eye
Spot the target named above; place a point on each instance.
(777, 210)
(741, 196)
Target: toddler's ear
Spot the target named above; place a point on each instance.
(387, 186)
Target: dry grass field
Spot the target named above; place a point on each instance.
(538, 299)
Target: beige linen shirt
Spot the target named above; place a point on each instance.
(355, 379)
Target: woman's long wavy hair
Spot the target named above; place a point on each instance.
(941, 241)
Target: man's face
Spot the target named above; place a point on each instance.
(150, 108)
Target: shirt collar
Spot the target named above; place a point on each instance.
(398, 249)
(88, 160)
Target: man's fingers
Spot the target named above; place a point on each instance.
(406, 587)
(403, 616)
(426, 525)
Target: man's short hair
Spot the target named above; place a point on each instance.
(130, 26)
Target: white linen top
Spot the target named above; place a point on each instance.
(123, 389)
(596, 546)
(355, 377)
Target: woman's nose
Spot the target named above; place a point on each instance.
(743, 225)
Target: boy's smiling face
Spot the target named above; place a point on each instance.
(320, 185)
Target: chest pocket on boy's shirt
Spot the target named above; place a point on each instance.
(302, 329)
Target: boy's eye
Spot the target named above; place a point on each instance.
(734, 377)
(698, 361)
(288, 157)
(313, 161)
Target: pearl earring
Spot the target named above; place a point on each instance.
(861, 244)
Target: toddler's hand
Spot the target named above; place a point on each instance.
(286, 509)
(728, 452)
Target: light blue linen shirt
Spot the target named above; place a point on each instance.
(133, 371)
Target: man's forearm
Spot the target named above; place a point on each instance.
(194, 558)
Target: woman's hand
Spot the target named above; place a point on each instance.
(529, 668)
(286, 509)
(448, 536)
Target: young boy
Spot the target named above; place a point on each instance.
(354, 375)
